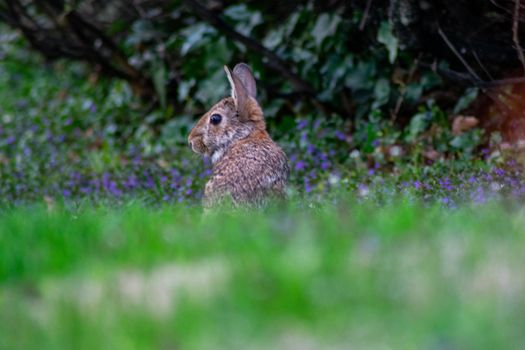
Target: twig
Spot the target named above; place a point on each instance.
(448, 73)
(464, 77)
(472, 72)
(482, 65)
(515, 36)
(365, 15)
(403, 89)
(482, 84)
(502, 82)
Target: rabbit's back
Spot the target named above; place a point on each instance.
(251, 170)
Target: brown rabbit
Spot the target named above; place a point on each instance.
(248, 166)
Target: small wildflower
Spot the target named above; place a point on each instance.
(496, 186)
(340, 135)
(302, 124)
(395, 151)
(363, 190)
(300, 165)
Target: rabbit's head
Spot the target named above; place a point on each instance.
(232, 119)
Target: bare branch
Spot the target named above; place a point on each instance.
(476, 56)
(365, 15)
(472, 72)
(515, 36)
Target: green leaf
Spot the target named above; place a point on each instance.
(325, 26)
(184, 89)
(245, 18)
(362, 77)
(194, 36)
(381, 92)
(418, 124)
(465, 100)
(386, 37)
(159, 80)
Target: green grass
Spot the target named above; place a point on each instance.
(355, 276)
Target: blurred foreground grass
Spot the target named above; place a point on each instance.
(353, 276)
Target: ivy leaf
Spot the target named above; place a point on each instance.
(381, 93)
(465, 100)
(418, 124)
(245, 18)
(159, 81)
(325, 26)
(194, 37)
(386, 37)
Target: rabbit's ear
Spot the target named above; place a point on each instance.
(239, 92)
(245, 75)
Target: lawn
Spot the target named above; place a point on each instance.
(342, 276)
(400, 232)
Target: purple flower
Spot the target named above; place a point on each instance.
(302, 124)
(310, 149)
(479, 195)
(340, 135)
(131, 182)
(363, 190)
(300, 165)
(307, 185)
(445, 184)
(304, 137)
(499, 172)
(113, 189)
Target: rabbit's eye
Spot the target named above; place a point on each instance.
(215, 119)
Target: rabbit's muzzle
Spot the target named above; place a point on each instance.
(197, 145)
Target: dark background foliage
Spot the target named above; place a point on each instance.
(332, 58)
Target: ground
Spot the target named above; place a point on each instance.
(352, 275)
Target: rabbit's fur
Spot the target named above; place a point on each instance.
(248, 166)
